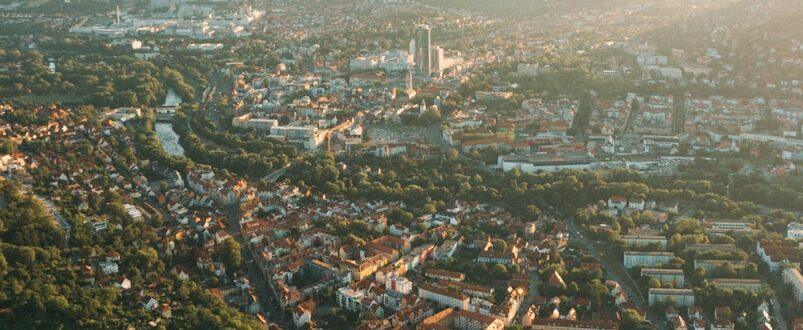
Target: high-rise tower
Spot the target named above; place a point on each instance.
(423, 50)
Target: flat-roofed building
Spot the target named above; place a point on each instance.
(674, 276)
(794, 230)
(677, 297)
(750, 285)
(534, 162)
(712, 247)
(443, 296)
(647, 259)
(777, 254)
(473, 290)
(710, 265)
(310, 137)
(644, 240)
(349, 299)
(442, 274)
(729, 226)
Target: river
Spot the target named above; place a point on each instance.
(164, 131)
(171, 99)
(169, 139)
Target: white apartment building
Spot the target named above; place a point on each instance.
(749, 285)
(399, 284)
(646, 259)
(678, 297)
(665, 275)
(794, 230)
(643, 240)
(349, 299)
(726, 226)
(443, 297)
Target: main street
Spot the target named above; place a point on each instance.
(615, 271)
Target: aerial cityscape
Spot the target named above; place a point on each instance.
(401, 164)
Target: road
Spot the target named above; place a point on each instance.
(616, 272)
(777, 315)
(269, 304)
(532, 292)
(54, 212)
(277, 174)
(51, 209)
(59, 219)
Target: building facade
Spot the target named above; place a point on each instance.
(423, 50)
(676, 297)
(647, 259)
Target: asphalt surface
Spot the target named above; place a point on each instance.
(617, 273)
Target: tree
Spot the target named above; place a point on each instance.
(499, 271)
(499, 245)
(573, 289)
(229, 252)
(631, 319)
(597, 291)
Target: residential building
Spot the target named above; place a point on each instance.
(678, 297)
(644, 240)
(303, 313)
(710, 265)
(617, 202)
(750, 285)
(443, 296)
(712, 247)
(729, 226)
(674, 276)
(776, 255)
(349, 299)
(398, 284)
(794, 230)
(442, 274)
(446, 250)
(508, 257)
(647, 259)
(466, 320)
(473, 290)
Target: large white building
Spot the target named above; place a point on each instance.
(647, 259)
(644, 240)
(398, 284)
(443, 296)
(308, 136)
(534, 162)
(750, 285)
(349, 299)
(248, 121)
(674, 276)
(677, 297)
(729, 226)
(794, 230)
